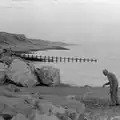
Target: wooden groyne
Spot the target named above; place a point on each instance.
(56, 59)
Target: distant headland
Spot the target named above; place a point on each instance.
(19, 42)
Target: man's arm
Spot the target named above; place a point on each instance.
(108, 83)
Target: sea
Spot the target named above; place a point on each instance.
(86, 73)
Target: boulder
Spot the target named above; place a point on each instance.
(1, 118)
(38, 116)
(115, 118)
(2, 73)
(7, 59)
(13, 88)
(48, 108)
(6, 56)
(1, 50)
(19, 117)
(21, 73)
(5, 117)
(11, 105)
(44, 108)
(63, 116)
(75, 105)
(48, 75)
(71, 110)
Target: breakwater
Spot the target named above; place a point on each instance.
(56, 59)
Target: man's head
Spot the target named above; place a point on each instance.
(105, 72)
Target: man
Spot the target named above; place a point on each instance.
(113, 82)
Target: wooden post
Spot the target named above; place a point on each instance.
(91, 60)
(80, 60)
(68, 59)
(84, 60)
(88, 60)
(56, 59)
(64, 59)
(32, 56)
(40, 58)
(48, 58)
(25, 55)
(52, 59)
(36, 57)
(72, 59)
(76, 59)
(60, 59)
(44, 58)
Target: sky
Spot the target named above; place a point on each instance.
(62, 20)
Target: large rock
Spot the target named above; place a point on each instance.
(19, 117)
(75, 105)
(5, 117)
(7, 60)
(37, 116)
(47, 107)
(69, 109)
(6, 56)
(21, 73)
(48, 75)
(12, 105)
(2, 73)
(1, 118)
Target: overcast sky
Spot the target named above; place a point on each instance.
(62, 20)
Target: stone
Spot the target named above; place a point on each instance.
(48, 107)
(11, 101)
(13, 88)
(19, 116)
(75, 105)
(7, 59)
(71, 97)
(38, 116)
(21, 73)
(2, 72)
(6, 116)
(115, 118)
(48, 75)
(12, 105)
(63, 116)
(58, 109)
(1, 50)
(1, 118)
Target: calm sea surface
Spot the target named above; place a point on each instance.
(86, 73)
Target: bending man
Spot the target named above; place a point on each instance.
(113, 82)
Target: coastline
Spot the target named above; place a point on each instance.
(20, 43)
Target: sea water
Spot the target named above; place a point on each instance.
(86, 73)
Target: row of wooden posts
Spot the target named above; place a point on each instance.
(55, 59)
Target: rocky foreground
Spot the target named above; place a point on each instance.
(27, 106)
(17, 74)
